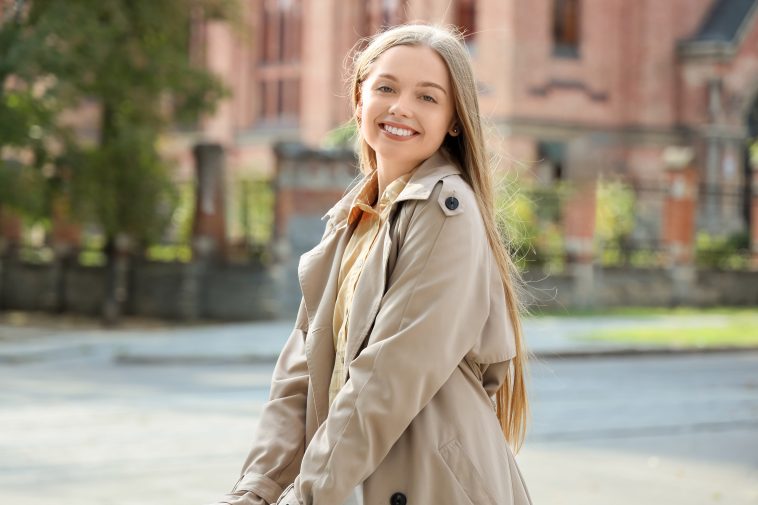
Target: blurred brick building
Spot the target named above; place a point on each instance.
(572, 88)
(660, 93)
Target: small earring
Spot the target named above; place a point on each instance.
(455, 131)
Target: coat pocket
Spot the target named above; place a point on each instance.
(465, 473)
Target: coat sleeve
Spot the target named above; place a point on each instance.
(274, 459)
(431, 315)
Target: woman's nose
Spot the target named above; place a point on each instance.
(399, 107)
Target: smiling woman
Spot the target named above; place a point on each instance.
(405, 109)
(403, 379)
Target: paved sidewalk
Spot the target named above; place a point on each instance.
(33, 337)
(74, 407)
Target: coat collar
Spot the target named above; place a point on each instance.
(419, 186)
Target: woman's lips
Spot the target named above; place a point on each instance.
(397, 132)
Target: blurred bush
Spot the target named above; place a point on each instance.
(529, 216)
(728, 252)
(614, 222)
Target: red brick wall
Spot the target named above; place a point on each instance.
(628, 75)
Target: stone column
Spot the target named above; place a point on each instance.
(679, 211)
(579, 235)
(579, 222)
(209, 227)
(586, 157)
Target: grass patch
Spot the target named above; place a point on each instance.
(647, 312)
(732, 330)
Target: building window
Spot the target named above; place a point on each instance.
(552, 156)
(279, 62)
(466, 22)
(566, 28)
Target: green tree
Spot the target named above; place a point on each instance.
(129, 61)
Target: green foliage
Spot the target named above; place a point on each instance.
(728, 252)
(614, 221)
(250, 214)
(23, 189)
(753, 152)
(341, 137)
(256, 210)
(529, 217)
(169, 253)
(182, 218)
(91, 251)
(615, 211)
(125, 187)
(130, 62)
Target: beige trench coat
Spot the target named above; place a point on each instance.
(415, 422)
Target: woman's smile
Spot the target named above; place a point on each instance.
(397, 132)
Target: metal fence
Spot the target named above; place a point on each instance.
(629, 225)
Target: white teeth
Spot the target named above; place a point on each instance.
(398, 131)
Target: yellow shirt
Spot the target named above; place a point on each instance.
(358, 247)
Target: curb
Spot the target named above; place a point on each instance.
(641, 352)
(257, 359)
(146, 359)
(21, 358)
(125, 358)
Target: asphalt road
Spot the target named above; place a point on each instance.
(679, 429)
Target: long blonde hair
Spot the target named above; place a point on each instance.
(468, 149)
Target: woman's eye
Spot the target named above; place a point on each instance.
(384, 89)
(428, 98)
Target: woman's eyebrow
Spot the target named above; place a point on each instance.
(422, 84)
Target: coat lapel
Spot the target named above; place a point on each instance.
(372, 282)
(318, 271)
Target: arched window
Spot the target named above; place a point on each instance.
(566, 28)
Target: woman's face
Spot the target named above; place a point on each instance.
(406, 106)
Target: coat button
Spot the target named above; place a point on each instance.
(398, 499)
(451, 202)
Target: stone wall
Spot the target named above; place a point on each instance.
(252, 292)
(641, 287)
(163, 290)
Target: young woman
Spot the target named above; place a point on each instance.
(402, 381)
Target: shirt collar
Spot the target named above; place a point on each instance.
(366, 198)
(418, 187)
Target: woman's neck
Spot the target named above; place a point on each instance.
(385, 176)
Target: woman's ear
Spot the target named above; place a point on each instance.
(454, 130)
